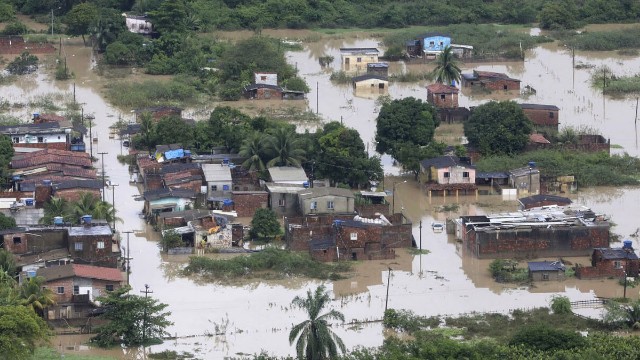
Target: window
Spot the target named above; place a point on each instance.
(446, 175)
(465, 174)
(17, 240)
(40, 139)
(76, 289)
(281, 203)
(545, 276)
(354, 236)
(441, 43)
(16, 140)
(617, 265)
(505, 87)
(100, 244)
(214, 187)
(330, 205)
(77, 246)
(551, 115)
(109, 287)
(313, 205)
(60, 290)
(443, 96)
(225, 187)
(359, 60)
(432, 43)
(263, 78)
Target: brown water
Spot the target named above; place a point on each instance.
(445, 281)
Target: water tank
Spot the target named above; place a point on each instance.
(627, 244)
(86, 219)
(225, 161)
(187, 153)
(46, 182)
(15, 177)
(532, 164)
(31, 273)
(305, 184)
(58, 220)
(227, 202)
(28, 202)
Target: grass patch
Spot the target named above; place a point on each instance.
(45, 353)
(410, 77)
(340, 77)
(270, 263)
(507, 271)
(407, 321)
(151, 93)
(628, 38)
(171, 355)
(590, 169)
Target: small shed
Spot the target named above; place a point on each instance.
(442, 96)
(546, 270)
(380, 68)
(263, 92)
(490, 80)
(526, 180)
(370, 81)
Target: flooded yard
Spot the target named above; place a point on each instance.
(212, 321)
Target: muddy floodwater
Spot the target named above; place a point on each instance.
(212, 321)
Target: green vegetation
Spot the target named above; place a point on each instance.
(264, 225)
(271, 263)
(561, 305)
(149, 93)
(628, 38)
(498, 128)
(313, 337)
(23, 64)
(71, 212)
(447, 70)
(407, 321)
(507, 271)
(589, 169)
(170, 240)
(132, 320)
(45, 353)
(604, 79)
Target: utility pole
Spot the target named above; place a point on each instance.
(386, 302)
(317, 97)
(51, 22)
(420, 235)
(103, 183)
(113, 203)
(146, 292)
(128, 253)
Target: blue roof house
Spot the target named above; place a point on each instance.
(434, 42)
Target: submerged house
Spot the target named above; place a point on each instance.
(448, 173)
(354, 59)
(543, 117)
(611, 262)
(546, 270)
(442, 96)
(370, 81)
(490, 81)
(553, 232)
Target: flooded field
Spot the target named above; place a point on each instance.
(212, 321)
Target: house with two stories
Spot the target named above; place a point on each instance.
(448, 173)
(326, 200)
(356, 59)
(611, 263)
(46, 135)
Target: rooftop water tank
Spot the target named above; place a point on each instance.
(86, 219)
(46, 182)
(58, 220)
(532, 164)
(627, 244)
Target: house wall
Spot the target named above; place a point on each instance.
(371, 84)
(46, 145)
(139, 26)
(43, 140)
(152, 181)
(369, 210)
(90, 253)
(456, 175)
(435, 43)
(542, 117)
(222, 188)
(341, 204)
(521, 183)
(194, 185)
(300, 230)
(290, 203)
(357, 62)
(552, 275)
(536, 242)
(67, 283)
(325, 255)
(442, 100)
(265, 78)
(602, 268)
(266, 94)
(28, 243)
(500, 84)
(246, 203)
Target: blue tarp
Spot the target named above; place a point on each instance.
(174, 154)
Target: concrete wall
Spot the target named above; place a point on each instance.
(435, 43)
(369, 210)
(246, 203)
(341, 204)
(456, 175)
(90, 253)
(290, 207)
(73, 195)
(371, 84)
(28, 242)
(537, 242)
(543, 117)
(551, 275)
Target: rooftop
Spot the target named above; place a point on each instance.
(539, 107)
(524, 171)
(168, 193)
(368, 77)
(538, 139)
(546, 266)
(287, 173)
(283, 188)
(356, 51)
(77, 184)
(262, 86)
(445, 161)
(439, 88)
(559, 200)
(98, 230)
(41, 128)
(616, 254)
(324, 191)
(215, 172)
(78, 270)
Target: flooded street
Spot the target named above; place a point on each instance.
(212, 321)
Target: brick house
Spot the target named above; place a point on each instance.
(92, 245)
(72, 190)
(263, 92)
(442, 96)
(76, 286)
(608, 262)
(490, 81)
(245, 203)
(546, 270)
(542, 116)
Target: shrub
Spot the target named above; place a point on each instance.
(23, 64)
(561, 305)
(545, 338)
(15, 28)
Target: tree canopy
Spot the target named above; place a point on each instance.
(20, 331)
(446, 70)
(80, 19)
(407, 122)
(264, 225)
(497, 128)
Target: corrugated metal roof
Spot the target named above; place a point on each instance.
(546, 266)
(287, 173)
(324, 191)
(99, 230)
(215, 172)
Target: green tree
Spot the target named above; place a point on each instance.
(315, 340)
(15, 27)
(80, 19)
(497, 128)
(7, 12)
(239, 62)
(147, 130)
(447, 70)
(106, 29)
(253, 148)
(544, 337)
(173, 130)
(89, 204)
(55, 207)
(623, 313)
(132, 320)
(21, 330)
(264, 225)
(7, 222)
(23, 64)
(410, 155)
(561, 305)
(35, 296)
(297, 84)
(6, 153)
(170, 239)
(118, 53)
(7, 263)
(170, 17)
(558, 15)
(285, 148)
(404, 122)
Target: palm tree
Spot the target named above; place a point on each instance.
(55, 207)
(447, 70)
(89, 204)
(285, 148)
(35, 296)
(253, 148)
(315, 341)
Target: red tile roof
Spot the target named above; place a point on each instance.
(41, 159)
(97, 272)
(538, 139)
(438, 88)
